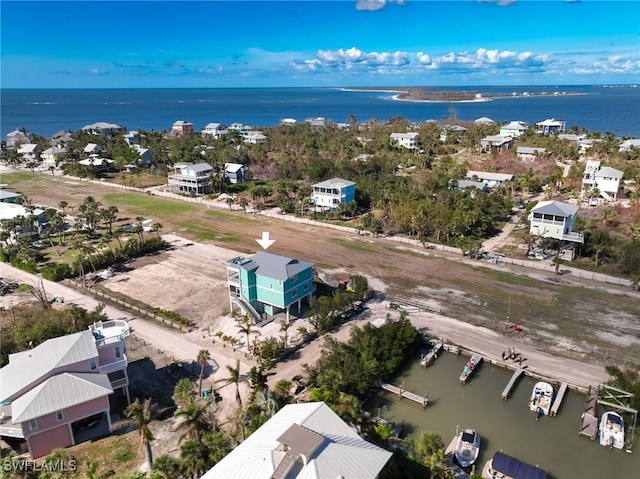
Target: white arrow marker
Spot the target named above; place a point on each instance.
(265, 242)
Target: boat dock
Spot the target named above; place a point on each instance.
(589, 426)
(422, 400)
(449, 460)
(470, 367)
(558, 400)
(512, 382)
(428, 358)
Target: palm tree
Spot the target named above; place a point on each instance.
(165, 467)
(140, 414)
(194, 419)
(245, 327)
(203, 357)
(229, 200)
(557, 261)
(193, 455)
(235, 378)
(183, 392)
(157, 227)
(243, 204)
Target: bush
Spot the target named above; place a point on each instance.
(28, 267)
(56, 272)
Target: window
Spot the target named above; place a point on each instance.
(93, 364)
(280, 282)
(294, 293)
(59, 415)
(33, 424)
(306, 286)
(270, 285)
(294, 278)
(117, 352)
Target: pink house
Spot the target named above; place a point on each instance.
(58, 393)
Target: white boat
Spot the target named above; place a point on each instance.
(612, 430)
(468, 447)
(541, 398)
(470, 367)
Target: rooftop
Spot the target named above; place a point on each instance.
(334, 183)
(273, 265)
(556, 208)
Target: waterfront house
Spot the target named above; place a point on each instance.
(215, 130)
(484, 121)
(93, 149)
(236, 172)
(61, 138)
(181, 128)
(60, 392)
(491, 179)
(550, 126)
(132, 138)
(29, 152)
(628, 145)
(269, 284)
(145, 155)
(51, 156)
(604, 179)
(406, 140)
(527, 153)
(288, 121)
(317, 122)
(554, 219)
(306, 440)
(192, 179)
(254, 137)
(514, 129)
(330, 193)
(9, 196)
(452, 132)
(18, 137)
(102, 128)
(495, 143)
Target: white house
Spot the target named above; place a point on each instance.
(496, 142)
(453, 131)
(102, 128)
(603, 178)
(491, 179)
(236, 172)
(406, 140)
(528, 153)
(550, 126)
(627, 145)
(28, 226)
(303, 441)
(51, 155)
(484, 121)
(146, 155)
(513, 129)
(132, 138)
(554, 219)
(28, 151)
(254, 137)
(18, 137)
(215, 130)
(92, 149)
(193, 179)
(330, 193)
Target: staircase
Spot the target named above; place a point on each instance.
(246, 308)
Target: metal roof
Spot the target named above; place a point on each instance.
(275, 266)
(608, 172)
(410, 135)
(5, 195)
(489, 176)
(60, 392)
(341, 453)
(529, 150)
(515, 125)
(9, 211)
(198, 167)
(28, 367)
(233, 167)
(334, 183)
(555, 208)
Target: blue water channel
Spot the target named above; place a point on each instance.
(551, 443)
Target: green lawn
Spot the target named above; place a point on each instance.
(230, 216)
(148, 206)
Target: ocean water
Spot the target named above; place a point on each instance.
(603, 109)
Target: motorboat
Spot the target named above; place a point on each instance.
(467, 448)
(470, 367)
(541, 398)
(612, 430)
(507, 467)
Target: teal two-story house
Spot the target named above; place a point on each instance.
(269, 284)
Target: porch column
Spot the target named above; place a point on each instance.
(289, 306)
(108, 418)
(126, 391)
(73, 439)
(299, 305)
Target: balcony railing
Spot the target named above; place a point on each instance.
(119, 383)
(573, 237)
(113, 366)
(11, 431)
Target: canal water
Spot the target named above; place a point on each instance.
(551, 443)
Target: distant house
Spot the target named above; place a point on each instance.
(93, 149)
(18, 137)
(514, 129)
(9, 196)
(452, 131)
(11, 210)
(236, 172)
(628, 145)
(554, 219)
(102, 128)
(362, 140)
(215, 130)
(61, 138)
(484, 121)
(363, 157)
(239, 127)
(550, 126)
(495, 143)
(288, 121)
(492, 180)
(269, 284)
(192, 179)
(51, 156)
(406, 140)
(306, 440)
(29, 152)
(254, 137)
(98, 164)
(602, 178)
(132, 138)
(528, 153)
(146, 155)
(330, 193)
(52, 393)
(317, 122)
(181, 128)
(467, 184)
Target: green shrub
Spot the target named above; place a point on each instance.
(56, 272)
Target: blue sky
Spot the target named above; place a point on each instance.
(101, 44)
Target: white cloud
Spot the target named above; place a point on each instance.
(370, 5)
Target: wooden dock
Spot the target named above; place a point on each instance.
(512, 382)
(589, 426)
(558, 400)
(475, 361)
(449, 460)
(428, 358)
(422, 400)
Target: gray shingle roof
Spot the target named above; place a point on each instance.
(275, 266)
(28, 367)
(60, 392)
